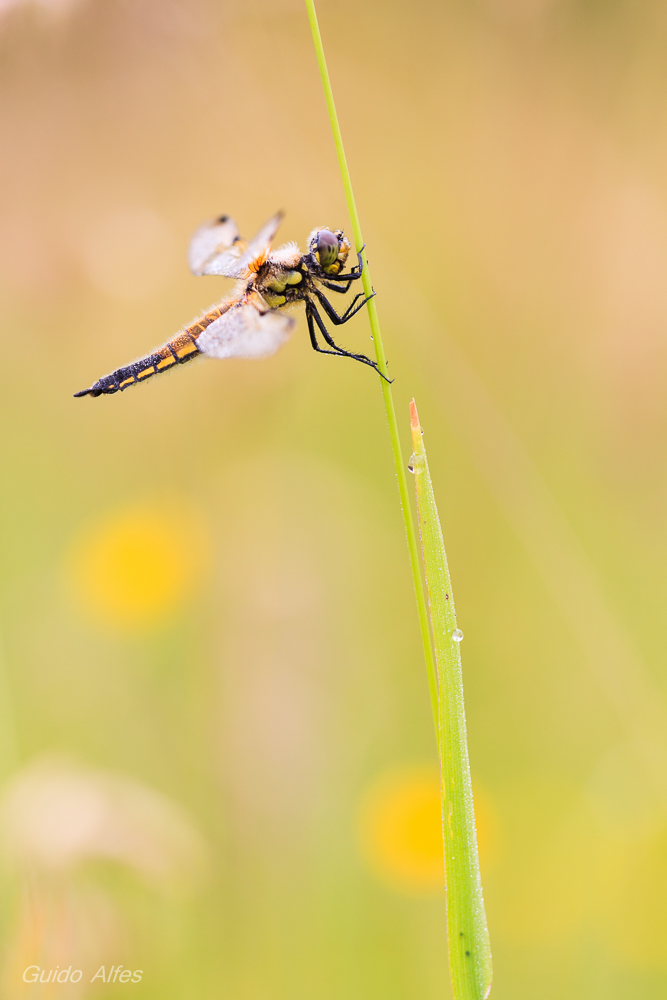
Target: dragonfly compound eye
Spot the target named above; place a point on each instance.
(327, 247)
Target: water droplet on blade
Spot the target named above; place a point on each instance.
(457, 635)
(415, 463)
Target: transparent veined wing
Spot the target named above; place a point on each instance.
(245, 332)
(216, 247)
(260, 245)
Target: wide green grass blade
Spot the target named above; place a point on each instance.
(467, 933)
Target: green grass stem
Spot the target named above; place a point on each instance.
(469, 947)
(382, 364)
(467, 933)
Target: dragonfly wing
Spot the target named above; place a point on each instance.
(259, 247)
(245, 332)
(216, 247)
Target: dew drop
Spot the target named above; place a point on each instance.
(415, 463)
(457, 635)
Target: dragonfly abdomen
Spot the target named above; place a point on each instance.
(178, 350)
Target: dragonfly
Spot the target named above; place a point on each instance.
(254, 320)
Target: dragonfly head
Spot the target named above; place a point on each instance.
(330, 249)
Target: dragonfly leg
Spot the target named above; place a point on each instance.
(351, 310)
(313, 318)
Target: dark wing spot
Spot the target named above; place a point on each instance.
(223, 218)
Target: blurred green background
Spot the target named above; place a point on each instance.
(217, 754)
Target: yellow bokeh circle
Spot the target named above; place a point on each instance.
(400, 829)
(136, 566)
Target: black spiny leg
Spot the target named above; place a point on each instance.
(355, 272)
(351, 310)
(313, 315)
(348, 278)
(321, 275)
(337, 288)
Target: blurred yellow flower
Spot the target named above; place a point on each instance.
(400, 829)
(136, 566)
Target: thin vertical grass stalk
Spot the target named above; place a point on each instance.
(469, 946)
(382, 365)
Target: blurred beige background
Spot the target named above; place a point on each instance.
(215, 738)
